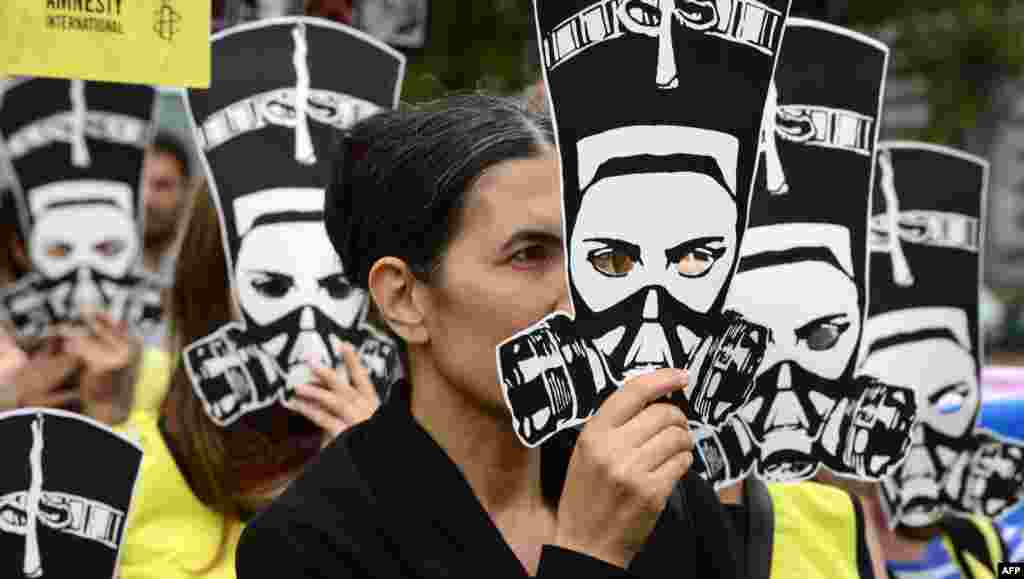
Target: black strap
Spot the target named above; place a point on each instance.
(760, 528)
(967, 538)
(864, 566)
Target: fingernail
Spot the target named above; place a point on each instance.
(683, 376)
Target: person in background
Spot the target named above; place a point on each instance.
(336, 10)
(200, 482)
(92, 372)
(167, 187)
(968, 547)
(536, 97)
(167, 184)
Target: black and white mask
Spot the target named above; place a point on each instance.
(291, 288)
(815, 328)
(929, 348)
(76, 184)
(267, 124)
(649, 272)
(654, 187)
(802, 269)
(923, 331)
(60, 515)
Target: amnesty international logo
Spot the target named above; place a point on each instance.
(166, 20)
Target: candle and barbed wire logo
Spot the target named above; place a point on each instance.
(167, 20)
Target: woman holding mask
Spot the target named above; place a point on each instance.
(200, 482)
(456, 232)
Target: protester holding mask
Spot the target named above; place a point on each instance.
(199, 481)
(276, 357)
(936, 514)
(78, 300)
(449, 214)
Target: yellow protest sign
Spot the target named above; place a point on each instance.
(163, 42)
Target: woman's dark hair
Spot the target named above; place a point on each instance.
(401, 177)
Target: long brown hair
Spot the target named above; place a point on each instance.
(221, 464)
(199, 303)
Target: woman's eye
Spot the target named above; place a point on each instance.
(824, 336)
(695, 263)
(58, 250)
(272, 286)
(611, 262)
(337, 287)
(110, 247)
(530, 254)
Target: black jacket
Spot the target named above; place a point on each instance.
(385, 501)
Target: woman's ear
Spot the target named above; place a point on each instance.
(394, 289)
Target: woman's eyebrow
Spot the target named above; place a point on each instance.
(542, 236)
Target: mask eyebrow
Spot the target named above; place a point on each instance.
(674, 254)
(270, 273)
(630, 249)
(945, 390)
(806, 328)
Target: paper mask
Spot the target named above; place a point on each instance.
(802, 274)
(655, 188)
(279, 98)
(75, 150)
(927, 232)
(65, 494)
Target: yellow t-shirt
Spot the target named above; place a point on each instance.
(169, 533)
(815, 532)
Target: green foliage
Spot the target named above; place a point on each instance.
(962, 50)
(472, 45)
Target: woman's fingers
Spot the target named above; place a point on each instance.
(331, 424)
(636, 394)
(666, 444)
(360, 375)
(328, 399)
(651, 421)
(337, 382)
(12, 358)
(59, 398)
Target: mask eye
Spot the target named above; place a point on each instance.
(950, 402)
(611, 262)
(822, 335)
(643, 13)
(110, 247)
(696, 263)
(58, 250)
(952, 399)
(272, 285)
(337, 287)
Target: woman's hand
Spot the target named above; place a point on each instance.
(627, 460)
(12, 360)
(110, 358)
(42, 379)
(339, 401)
